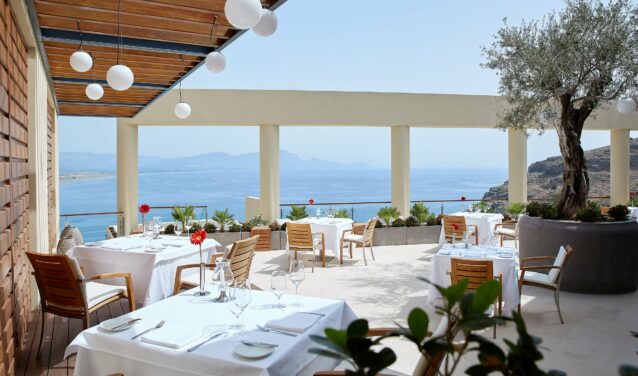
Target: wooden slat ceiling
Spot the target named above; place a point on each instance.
(163, 41)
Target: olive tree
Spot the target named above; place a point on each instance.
(557, 71)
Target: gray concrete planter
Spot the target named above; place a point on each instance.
(423, 234)
(390, 236)
(279, 240)
(605, 259)
(226, 238)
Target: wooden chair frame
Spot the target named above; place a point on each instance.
(368, 239)
(58, 281)
(503, 236)
(301, 242)
(450, 220)
(556, 287)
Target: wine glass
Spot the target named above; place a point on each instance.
(223, 277)
(149, 233)
(188, 224)
(178, 228)
(278, 285)
(297, 273)
(240, 299)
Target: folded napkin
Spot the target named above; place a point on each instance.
(297, 322)
(172, 336)
(175, 243)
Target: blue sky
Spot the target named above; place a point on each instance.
(421, 46)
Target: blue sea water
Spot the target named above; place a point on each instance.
(227, 189)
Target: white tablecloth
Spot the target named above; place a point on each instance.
(103, 353)
(153, 273)
(485, 222)
(633, 212)
(507, 266)
(332, 229)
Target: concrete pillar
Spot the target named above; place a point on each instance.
(269, 171)
(127, 175)
(619, 166)
(517, 165)
(400, 165)
(38, 145)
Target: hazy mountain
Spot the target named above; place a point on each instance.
(79, 163)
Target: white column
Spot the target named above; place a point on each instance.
(127, 174)
(269, 171)
(619, 166)
(38, 182)
(517, 165)
(400, 165)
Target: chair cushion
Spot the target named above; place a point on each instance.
(537, 277)
(559, 261)
(98, 292)
(506, 232)
(353, 237)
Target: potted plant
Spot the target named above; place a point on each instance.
(180, 213)
(389, 234)
(515, 210)
(297, 212)
(228, 232)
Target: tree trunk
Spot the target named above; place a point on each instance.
(575, 176)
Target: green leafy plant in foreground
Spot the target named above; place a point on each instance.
(464, 312)
(297, 212)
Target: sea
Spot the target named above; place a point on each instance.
(228, 189)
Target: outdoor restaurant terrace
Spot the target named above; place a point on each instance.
(212, 295)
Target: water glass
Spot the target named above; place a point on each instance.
(278, 285)
(240, 299)
(178, 228)
(188, 224)
(297, 273)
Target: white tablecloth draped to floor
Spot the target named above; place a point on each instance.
(507, 266)
(485, 222)
(332, 229)
(102, 353)
(152, 270)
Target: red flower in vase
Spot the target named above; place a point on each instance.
(311, 201)
(463, 198)
(198, 237)
(144, 209)
(632, 194)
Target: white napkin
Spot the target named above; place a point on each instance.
(172, 336)
(297, 322)
(174, 243)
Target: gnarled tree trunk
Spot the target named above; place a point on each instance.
(575, 176)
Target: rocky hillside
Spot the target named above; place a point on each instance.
(544, 178)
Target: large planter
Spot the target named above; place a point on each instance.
(389, 236)
(605, 258)
(279, 240)
(226, 238)
(407, 235)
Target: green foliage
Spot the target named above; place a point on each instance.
(516, 208)
(388, 214)
(542, 209)
(342, 213)
(482, 206)
(619, 212)
(169, 229)
(274, 227)
(590, 213)
(420, 212)
(633, 200)
(223, 218)
(434, 220)
(209, 228)
(234, 227)
(297, 212)
(379, 224)
(257, 221)
(412, 221)
(464, 311)
(180, 213)
(399, 222)
(196, 227)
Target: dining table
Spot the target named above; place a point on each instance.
(151, 262)
(505, 262)
(485, 223)
(201, 325)
(332, 229)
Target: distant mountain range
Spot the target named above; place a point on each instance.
(105, 164)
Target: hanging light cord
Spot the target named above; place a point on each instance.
(181, 67)
(81, 38)
(212, 29)
(119, 31)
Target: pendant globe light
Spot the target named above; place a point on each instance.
(626, 106)
(119, 76)
(182, 109)
(80, 61)
(267, 24)
(215, 61)
(243, 14)
(94, 90)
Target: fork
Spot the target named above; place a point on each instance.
(161, 323)
(264, 329)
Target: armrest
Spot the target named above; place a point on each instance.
(108, 275)
(127, 279)
(178, 275)
(536, 258)
(346, 232)
(540, 267)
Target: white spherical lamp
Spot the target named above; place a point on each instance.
(119, 77)
(267, 24)
(94, 91)
(626, 106)
(81, 61)
(182, 110)
(243, 14)
(215, 62)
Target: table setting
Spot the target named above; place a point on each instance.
(332, 228)
(505, 262)
(189, 335)
(485, 222)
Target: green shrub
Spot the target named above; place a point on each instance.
(274, 226)
(257, 221)
(388, 214)
(169, 229)
(399, 222)
(542, 210)
(434, 220)
(516, 208)
(619, 212)
(180, 213)
(282, 227)
(234, 227)
(412, 221)
(297, 212)
(223, 218)
(342, 213)
(196, 227)
(481, 206)
(379, 224)
(246, 227)
(590, 213)
(420, 212)
(209, 227)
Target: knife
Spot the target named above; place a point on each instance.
(204, 342)
(125, 324)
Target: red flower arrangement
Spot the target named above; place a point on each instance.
(311, 201)
(463, 198)
(198, 237)
(632, 194)
(144, 209)
(455, 226)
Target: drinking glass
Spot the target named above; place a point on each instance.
(297, 273)
(223, 277)
(149, 233)
(178, 228)
(278, 285)
(241, 297)
(188, 225)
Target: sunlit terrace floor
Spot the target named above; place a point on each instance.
(594, 340)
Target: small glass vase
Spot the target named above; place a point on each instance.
(223, 277)
(202, 281)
